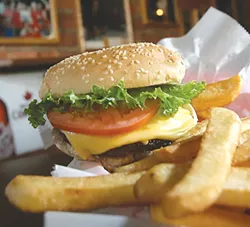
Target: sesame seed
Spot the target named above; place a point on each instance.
(89, 59)
(115, 61)
(109, 67)
(99, 63)
(111, 71)
(137, 75)
(110, 60)
(104, 56)
(112, 78)
(150, 63)
(126, 71)
(133, 55)
(101, 79)
(93, 61)
(137, 62)
(120, 63)
(82, 68)
(86, 81)
(106, 72)
(170, 60)
(117, 57)
(124, 57)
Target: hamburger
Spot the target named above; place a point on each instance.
(116, 105)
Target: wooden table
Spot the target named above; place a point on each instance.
(36, 163)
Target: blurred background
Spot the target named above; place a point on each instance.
(35, 34)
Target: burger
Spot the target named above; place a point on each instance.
(116, 105)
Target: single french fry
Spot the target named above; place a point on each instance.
(242, 155)
(203, 183)
(218, 94)
(38, 194)
(141, 165)
(245, 124)
(204, 114)
(176, 153)
(215, 217)
(197, 131)
(163, 177)
(236, 189)
(244, 137)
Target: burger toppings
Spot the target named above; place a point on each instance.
(111, 111)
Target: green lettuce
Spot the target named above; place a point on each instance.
(171, 97)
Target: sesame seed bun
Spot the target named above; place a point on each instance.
(138, 64)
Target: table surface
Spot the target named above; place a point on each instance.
(37, 163)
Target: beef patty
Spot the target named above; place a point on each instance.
(115, 157)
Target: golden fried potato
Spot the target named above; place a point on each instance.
(212, 217)
(186, 151)
(203, 183)
(161, 178)
(158, 180)
(245, 124)
(218, 94)
(204, 114)
(236, 190)
(196, 132)
(38, 194)
(244, 136)
(176, 153)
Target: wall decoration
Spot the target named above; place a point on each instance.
(106, 23)
(28, 22)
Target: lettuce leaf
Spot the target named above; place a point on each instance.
(171, 97)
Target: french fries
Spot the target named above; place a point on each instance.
(204, 114)
(203, 183)
(161, 178)
(186, 148)
(212, 217)
(218, 94)
(38, 194)
(176, 153)
(34, 194)
(201, 179)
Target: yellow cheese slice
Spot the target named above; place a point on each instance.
(159, 127)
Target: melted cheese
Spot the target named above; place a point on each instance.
(160, 127)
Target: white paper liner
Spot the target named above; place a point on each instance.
(216, 48)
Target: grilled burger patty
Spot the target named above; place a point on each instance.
(115, 157)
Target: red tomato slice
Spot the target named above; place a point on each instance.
(104, 122)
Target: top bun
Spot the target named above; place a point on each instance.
(138, 64)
